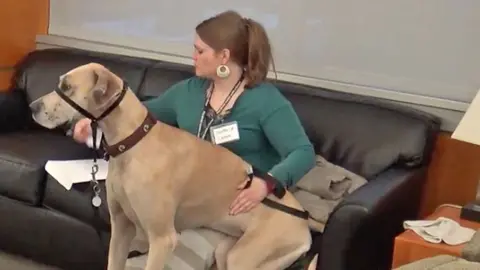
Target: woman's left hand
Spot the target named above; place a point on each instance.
(250, 197)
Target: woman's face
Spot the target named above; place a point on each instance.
(205, 59)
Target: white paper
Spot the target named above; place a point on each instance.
(89, 141)
(69, 172)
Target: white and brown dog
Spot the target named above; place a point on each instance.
(167, 180)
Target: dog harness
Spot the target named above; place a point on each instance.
(277, 189)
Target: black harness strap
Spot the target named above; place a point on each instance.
(97, 222)
(287, 209)
(278, 191)
(94, 123)
(86, 113)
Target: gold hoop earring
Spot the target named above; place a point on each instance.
(223, 71)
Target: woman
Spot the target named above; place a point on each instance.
(229, 95)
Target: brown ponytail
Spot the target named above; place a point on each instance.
(246, 39)
(259, 54)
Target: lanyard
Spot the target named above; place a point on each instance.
(207, 102)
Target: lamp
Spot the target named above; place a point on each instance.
(468, 130)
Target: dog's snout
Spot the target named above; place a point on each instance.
(36, 106)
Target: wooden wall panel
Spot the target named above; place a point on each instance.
(20, 22)
(5, 76)
(453, 175)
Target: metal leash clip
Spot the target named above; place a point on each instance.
(96, 200)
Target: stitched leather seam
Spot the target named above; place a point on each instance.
(12, 162)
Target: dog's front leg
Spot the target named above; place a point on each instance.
(221, 252)
(123, 232)
(161, 247)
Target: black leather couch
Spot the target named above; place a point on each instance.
(389, 145)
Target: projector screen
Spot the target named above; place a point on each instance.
(428, 48)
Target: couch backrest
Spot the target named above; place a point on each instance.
(161, 76)
(361, 134)
(39, 72)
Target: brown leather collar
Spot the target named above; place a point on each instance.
(130, 141)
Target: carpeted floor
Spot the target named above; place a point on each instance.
(10, 262)
(136, 263)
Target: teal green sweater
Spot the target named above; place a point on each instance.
(272, 138)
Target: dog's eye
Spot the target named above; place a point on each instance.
(65, 86)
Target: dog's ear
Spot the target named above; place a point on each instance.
(105, 87)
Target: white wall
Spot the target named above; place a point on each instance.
(425, 53)
(450, 117)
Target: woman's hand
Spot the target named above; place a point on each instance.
(82, 130)
(250, 197)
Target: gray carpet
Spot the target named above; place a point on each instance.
(137, 263)
(441, 262)
(10, 262)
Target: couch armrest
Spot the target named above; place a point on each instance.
(360, 231)
(14, 110)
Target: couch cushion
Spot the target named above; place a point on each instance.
(49, 237)
(77, 202)
(361, 134)
(161, 76)
(39, 72)
(14, 112)
(22, 159)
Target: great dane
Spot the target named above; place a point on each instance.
(163, 180)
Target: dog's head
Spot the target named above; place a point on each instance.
(92, 87)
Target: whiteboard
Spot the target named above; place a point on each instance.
(429, 48)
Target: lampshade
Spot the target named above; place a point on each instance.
(468, 130)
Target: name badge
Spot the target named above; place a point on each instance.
(224, 133)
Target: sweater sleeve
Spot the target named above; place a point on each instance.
(163, 107)
(287, 135)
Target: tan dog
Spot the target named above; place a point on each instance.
(171, 181)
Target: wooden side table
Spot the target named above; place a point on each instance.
(410, 247)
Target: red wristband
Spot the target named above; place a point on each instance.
(270, 186)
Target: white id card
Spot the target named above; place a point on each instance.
(224, 133)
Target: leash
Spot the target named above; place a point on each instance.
(96, 200)
(109, 150)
